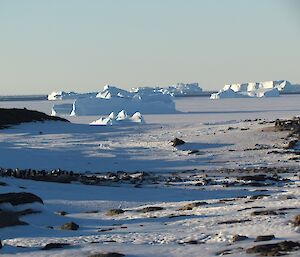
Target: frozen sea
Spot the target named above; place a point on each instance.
(197, 109)
(222, 134)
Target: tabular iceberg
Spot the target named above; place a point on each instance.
(179, 89)
(256, 89)
(113, 99)
(62, 95)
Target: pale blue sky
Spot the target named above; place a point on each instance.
(81, 45)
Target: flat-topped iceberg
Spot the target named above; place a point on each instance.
(119, 119)
(256, 89)
(62, 95)
(113, 99)
(179, 89)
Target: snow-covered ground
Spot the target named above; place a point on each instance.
(218, 134)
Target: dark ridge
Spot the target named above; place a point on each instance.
(15, 116)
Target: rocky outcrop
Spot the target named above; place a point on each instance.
(9, 117)
(19, 198)
(70, 226)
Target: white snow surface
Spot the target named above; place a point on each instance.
(204, 125)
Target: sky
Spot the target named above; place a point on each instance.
(81, 45)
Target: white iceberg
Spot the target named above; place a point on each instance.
(179, 89)
(255, 89)
(113, 99)
(62, 95)
(121, 118)
(137, 118)
(228, 93)
(112, 91)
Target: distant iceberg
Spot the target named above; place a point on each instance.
(179, 89)
(257, 89)
(62, 95)
(114, 99)
(119, 119)
(228, 93)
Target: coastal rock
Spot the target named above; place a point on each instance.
(297, 220)
(10, 219)
(15, 116)
(150, 209)
(19, 198)
(276, 249)
(176, 141)
(264, 238)
(54, 246)
(114, 212)
(237, 238)
(70, 226)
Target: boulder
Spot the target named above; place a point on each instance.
(264, 238)
(237, 238)
(70, 226)
(114, 212)
(54, 246)
(297, 220)
(176, 141)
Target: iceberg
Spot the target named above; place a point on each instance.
(228, 93)
(62, 95)
(256, 89)
(179, 89)
(121, 118)
(113, 99)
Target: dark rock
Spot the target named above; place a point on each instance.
(265, 212)
(1, 245)
(10, 219)
(176, 141)
(237, 238)
(233, 221)
(26, 212)
(112, 254)
(19, 198)
(291, 144)
(114, 212)
(264, 238)
(3, 184)
(297, 220)
(254, 197)
(14, 116)
(230, 251)
(190, 206)
(62, 213)
(150, 209)
(54, 246)
(70, 226)
(276, 249)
